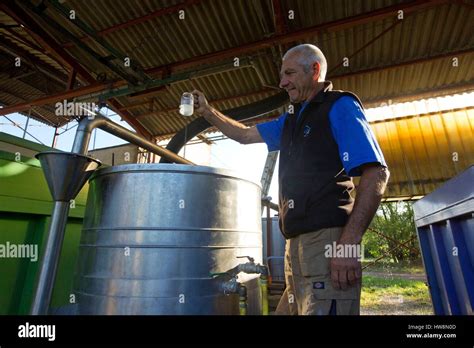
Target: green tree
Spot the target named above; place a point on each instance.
(395, 220)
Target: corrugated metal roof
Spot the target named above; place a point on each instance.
(383, 70)
(423, 151)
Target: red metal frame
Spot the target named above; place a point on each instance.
(51, 99)
(343, 23)
(98, 87)
(32, 59)
(71, 79)
(23, 17)
(135, 21)
(175, 108)
(280, 24)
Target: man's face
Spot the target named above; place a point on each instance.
(298, 84)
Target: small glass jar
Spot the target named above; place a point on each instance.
(186, 108)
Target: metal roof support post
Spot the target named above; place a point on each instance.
(26, 125)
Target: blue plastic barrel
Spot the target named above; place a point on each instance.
(445, 226)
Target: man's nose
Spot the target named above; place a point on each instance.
(284, 83)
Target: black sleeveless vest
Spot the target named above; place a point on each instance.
(315, 190)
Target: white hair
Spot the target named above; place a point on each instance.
(307, 55)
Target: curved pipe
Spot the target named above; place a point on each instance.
(241, 113)
(86, 126)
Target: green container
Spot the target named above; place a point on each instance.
(25, 212)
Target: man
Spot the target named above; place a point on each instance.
(324, 139)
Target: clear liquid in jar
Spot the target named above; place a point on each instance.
(186, 109)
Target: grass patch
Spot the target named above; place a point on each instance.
(394, 296)
(413, 267)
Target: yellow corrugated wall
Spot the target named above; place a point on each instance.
(423, 151)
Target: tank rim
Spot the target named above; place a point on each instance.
(171, 167)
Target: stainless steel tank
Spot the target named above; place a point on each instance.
(275, 257)
(153, 234)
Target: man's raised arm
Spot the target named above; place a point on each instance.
(231, 128)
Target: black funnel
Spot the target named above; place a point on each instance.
(66, 172)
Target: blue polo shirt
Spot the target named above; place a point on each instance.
(356, 141)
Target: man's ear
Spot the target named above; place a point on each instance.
(316, 70)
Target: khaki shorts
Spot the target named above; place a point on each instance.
(308, 282)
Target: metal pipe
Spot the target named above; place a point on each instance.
(122, 90)
(273, 206)
(87, 125)
(26, 125)
(50, 259)
(55, 138)
(233, 286)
